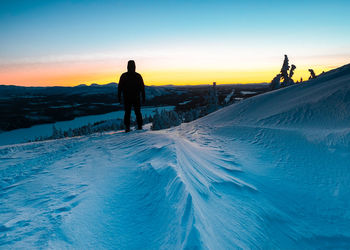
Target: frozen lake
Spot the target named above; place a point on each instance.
(27, 134)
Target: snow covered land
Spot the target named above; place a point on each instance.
(272, 171)
(27, 134)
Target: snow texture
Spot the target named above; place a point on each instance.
(269, 172)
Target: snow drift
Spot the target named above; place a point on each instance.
(269, 172)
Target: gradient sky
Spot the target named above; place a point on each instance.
(45, 43)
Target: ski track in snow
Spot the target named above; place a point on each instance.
(238, 178)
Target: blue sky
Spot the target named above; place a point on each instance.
(58, 31)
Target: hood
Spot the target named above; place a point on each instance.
(131, 66)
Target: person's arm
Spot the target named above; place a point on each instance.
(120, 88)
(143, 90)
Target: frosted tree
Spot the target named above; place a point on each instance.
(284, 70)
(195, 113)
(212, 98)
(188, 116)
(291, 72)
(191, 115)
(56, 133)
(287, 77)
(229, 96)
(165, 119)
(312, 74)
(174, 118)
(276, 81)
(156, 123)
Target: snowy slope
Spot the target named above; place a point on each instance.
(269, 172)
(319, 103)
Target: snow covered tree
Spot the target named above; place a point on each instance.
(156, 123)
(213, 100)
(291, 72)
(312, 74)
(174, 119)
(165, 119)
(191, 115)
(229, 96)
(284, 70)
(287, 77)
(188, 116)
(276, 81)
(56, 133)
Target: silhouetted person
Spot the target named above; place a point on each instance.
(133, 89)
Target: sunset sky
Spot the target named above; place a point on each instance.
(66, 43)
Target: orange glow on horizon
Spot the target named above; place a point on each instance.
(88, 74)
(186, 65)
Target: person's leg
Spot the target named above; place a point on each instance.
(127, 108)
(137, 110)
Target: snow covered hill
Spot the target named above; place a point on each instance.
(319, 103)
(272, 171)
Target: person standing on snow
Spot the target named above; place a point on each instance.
(133, 89)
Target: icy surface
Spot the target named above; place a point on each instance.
(269, 172)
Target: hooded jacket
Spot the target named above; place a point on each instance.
(131, 85)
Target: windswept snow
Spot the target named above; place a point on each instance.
(271, 171)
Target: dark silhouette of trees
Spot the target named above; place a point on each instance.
(312, 74)
(284, 70)
(284, 75)
(291, 72)
(275, 83)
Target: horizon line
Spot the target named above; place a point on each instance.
(151, 85)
